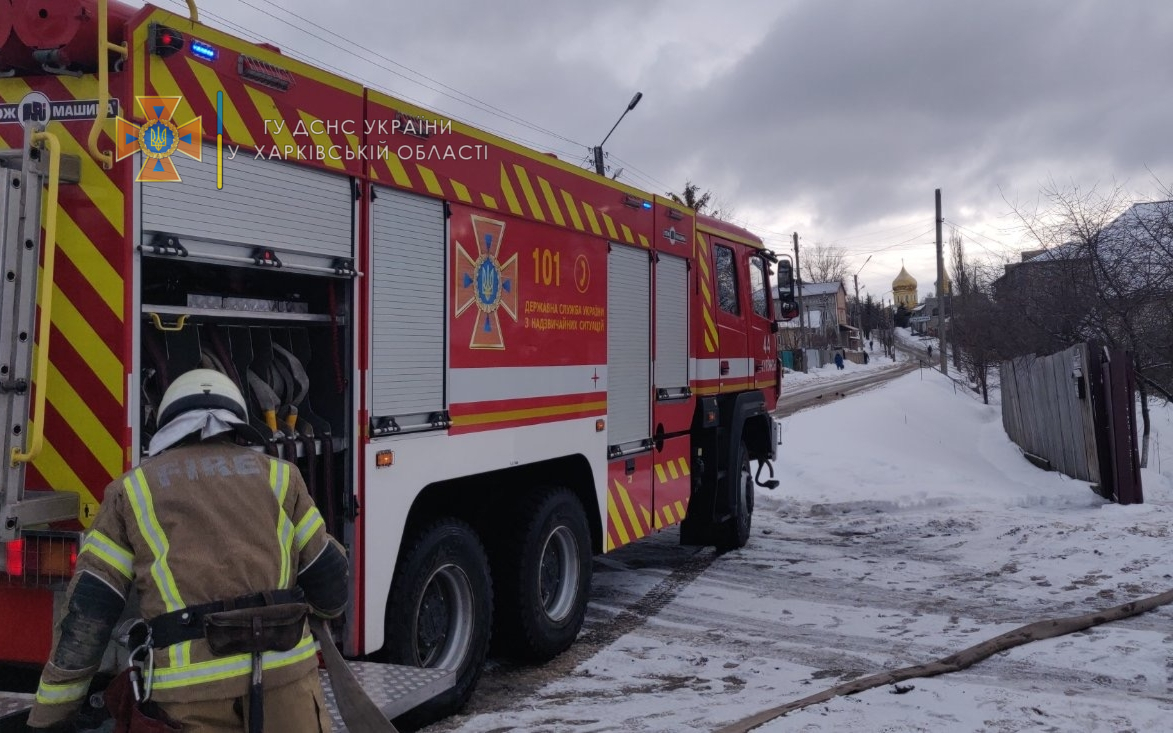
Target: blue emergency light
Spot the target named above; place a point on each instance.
(202, 50)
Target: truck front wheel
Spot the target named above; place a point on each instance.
(440, 612)
(734, 533)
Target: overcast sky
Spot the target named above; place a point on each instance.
(833, 119)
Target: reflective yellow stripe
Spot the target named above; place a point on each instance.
(180, 654)
(139, 495)
(307, 526)
(223, 668)
(110, 552)
(279, 481)
(50, 694)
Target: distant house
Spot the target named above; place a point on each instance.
(825, 307)
(790, 333)
(1134, 252)
(923, 318)
(1115, 285)
(1130, 258)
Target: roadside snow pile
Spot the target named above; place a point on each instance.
(898, 444)
(829, 373)
(907, 527)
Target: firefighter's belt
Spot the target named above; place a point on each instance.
(188, 624)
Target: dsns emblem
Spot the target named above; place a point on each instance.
(486, 282)
(158, 139)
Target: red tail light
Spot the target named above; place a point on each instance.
(15, 557)
(42, 559)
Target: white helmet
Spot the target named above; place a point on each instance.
(201, 389)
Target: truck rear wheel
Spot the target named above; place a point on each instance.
(440, 612)
(543, 574)
(734, 533)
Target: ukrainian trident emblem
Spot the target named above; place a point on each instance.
(482, 280)
(158, 138)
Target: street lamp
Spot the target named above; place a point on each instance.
(598, 149)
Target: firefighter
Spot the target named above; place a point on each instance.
(202, 526)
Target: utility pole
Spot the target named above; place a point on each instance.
(856, 309)
(857, 318)
(801, 304)
(941, 291)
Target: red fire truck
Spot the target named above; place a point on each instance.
(488, 364)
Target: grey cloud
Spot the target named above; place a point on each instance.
(849, 112)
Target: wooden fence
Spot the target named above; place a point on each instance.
(1075, 412)
(1047, 411)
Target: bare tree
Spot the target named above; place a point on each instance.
(824, 263)
(958, 271)
(977, 321)
(1107, 275)
(706, 203)
(692, 197)
(721, 208)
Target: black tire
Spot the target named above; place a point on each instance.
(440, 612)
(543, 575)
(734, 533)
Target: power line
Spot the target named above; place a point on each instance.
(656, 183)
(972, 234)
(979, 234)
(476, 102)
(373, 85)
(898, 244)
(878, 232)
(762, 232)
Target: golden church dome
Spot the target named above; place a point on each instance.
(904, 281)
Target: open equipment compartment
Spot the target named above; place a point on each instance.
(284, 337)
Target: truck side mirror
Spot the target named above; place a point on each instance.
(785, 280)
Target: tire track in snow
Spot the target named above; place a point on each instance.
(504, 682)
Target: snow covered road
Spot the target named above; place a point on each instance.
(907, 528)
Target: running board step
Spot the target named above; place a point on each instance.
(14, 707)
(394, 688)
(37, 507)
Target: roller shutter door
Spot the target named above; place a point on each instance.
(629, 386)
(264, 203)
(672, 325)
(407, 310)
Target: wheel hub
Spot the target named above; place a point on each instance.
(444, 620)
(558, 574)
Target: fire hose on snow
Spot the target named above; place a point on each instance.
(1037, 631)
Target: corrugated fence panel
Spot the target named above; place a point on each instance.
(629, 335)
(407, 311)
(264, 203)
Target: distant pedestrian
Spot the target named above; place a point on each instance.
(865, 357)
(871, 346)
(930, 348)
(838, 360)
